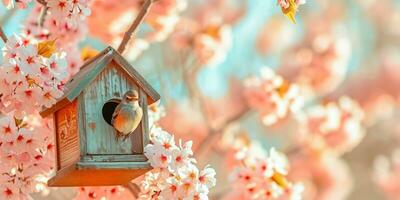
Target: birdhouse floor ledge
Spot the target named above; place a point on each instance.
(98, 174)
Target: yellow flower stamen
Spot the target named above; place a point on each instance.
(290, 11)
(46, 48)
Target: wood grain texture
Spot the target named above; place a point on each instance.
(67, 135)
(91, 69)
(152, 94)
(82, 126)
(114, 158)
(100, 136)
(76, 84)
(145, 121)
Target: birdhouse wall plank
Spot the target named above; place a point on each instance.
(111, 83)
(67, 135)
(145, 122)
(81, 126)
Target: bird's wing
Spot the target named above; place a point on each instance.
(115, 114)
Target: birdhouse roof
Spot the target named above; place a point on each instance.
(90, 70)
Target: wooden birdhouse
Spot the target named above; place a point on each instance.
(88, 153)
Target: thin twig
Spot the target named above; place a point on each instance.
(134, 189)
(3, 35)
(213, 136)
(43, 2)
(139, 18)
(196, 94)
(42, 15)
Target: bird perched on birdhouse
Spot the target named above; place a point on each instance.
(127, 114)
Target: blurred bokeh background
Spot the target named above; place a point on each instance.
(202, 54)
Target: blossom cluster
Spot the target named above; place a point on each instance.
(320, 63)
(64, 20)
(325, 175)
(22, 4)
(272, 96)
(161, 20)
(27, 153)
(31, 75)
(264, 176)
(68, 12)
(175, 175)
(209, 40)
(334, 126)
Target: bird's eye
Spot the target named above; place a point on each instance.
(129, 98)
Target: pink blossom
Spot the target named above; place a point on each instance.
(263, 176)
(272, 96)
(26, 157)
(22, 4)
(175, 175)
(27, 76)
(334, 126)
(210, 40)
(325, 176)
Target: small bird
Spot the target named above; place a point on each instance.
(127, 115)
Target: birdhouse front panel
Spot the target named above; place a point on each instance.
(109, 85)
(66, 123)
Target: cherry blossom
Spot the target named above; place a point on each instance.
(209, 40)
(335, 126)
(22, 4)
(320, 63)
(175, 175)
(63, 23)
(27, 155)
(31, 75)
(272, 96)
(68, 11)
(324, 176)
(261, 175)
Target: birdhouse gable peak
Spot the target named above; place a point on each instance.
(93, 68)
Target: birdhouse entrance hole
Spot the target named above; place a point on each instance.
(109, 108)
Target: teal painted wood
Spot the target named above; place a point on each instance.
(90, 70)
(100, 136)
(114, 158)
(81, 126)
(87, 75)
(113, 165)
(145, 121)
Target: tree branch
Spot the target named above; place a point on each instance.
(134, 189)
(43, 2)
(214, 134)
(42, 15)
(3, 35)
(43, 12)
(139, 18)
